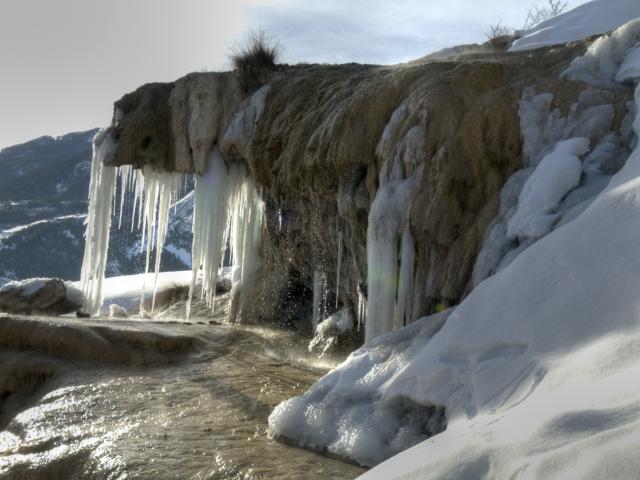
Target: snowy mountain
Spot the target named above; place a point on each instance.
(43, 207)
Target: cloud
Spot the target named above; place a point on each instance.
(376, 31)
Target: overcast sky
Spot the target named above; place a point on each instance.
(64, 62)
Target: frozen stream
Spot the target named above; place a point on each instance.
(148, 400)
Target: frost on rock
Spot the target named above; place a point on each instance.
(159, 190)
(557, 174)
(101, 195)
(247, 214)
(347, 412)
(390, 248)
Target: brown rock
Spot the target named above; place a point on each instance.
(36, 296)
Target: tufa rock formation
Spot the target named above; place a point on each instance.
(316, 146)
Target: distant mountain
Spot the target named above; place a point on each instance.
(43, 204)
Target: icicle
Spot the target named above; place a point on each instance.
(154, 193)
(246, 232)
(339, 266)
(362, 308)
(226, 206)
(388, 219)
(101, 193)
(124, 176)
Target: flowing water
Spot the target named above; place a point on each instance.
(201, 416)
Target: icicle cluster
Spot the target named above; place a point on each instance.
(153, 193)
(226, 206)
(101, 190)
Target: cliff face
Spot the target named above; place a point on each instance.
(322, 141)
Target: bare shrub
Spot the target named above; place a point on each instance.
(499, 30)
(539, 14)
(254, 59)
(535, 15)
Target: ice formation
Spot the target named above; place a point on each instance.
(247, 213)
(226, 207)
(159, 191)
(390, 249)
(338, 267)
(557, 174)
(601, 64)
(101, 193)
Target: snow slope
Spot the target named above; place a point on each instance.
(592, 18)
(537, 370)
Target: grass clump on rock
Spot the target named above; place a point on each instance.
(254, 59)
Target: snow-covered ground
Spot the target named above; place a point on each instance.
(536, 370)
(591, 18)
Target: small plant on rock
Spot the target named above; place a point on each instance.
(254, 59)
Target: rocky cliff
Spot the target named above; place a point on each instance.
(324, 141)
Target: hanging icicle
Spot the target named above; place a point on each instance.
(339, 264)
(101, 193)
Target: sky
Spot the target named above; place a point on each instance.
(64, 62)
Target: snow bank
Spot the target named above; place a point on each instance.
(346, 414)
(537, 368)
(101, 190)
(592, 18)
(609, 59)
